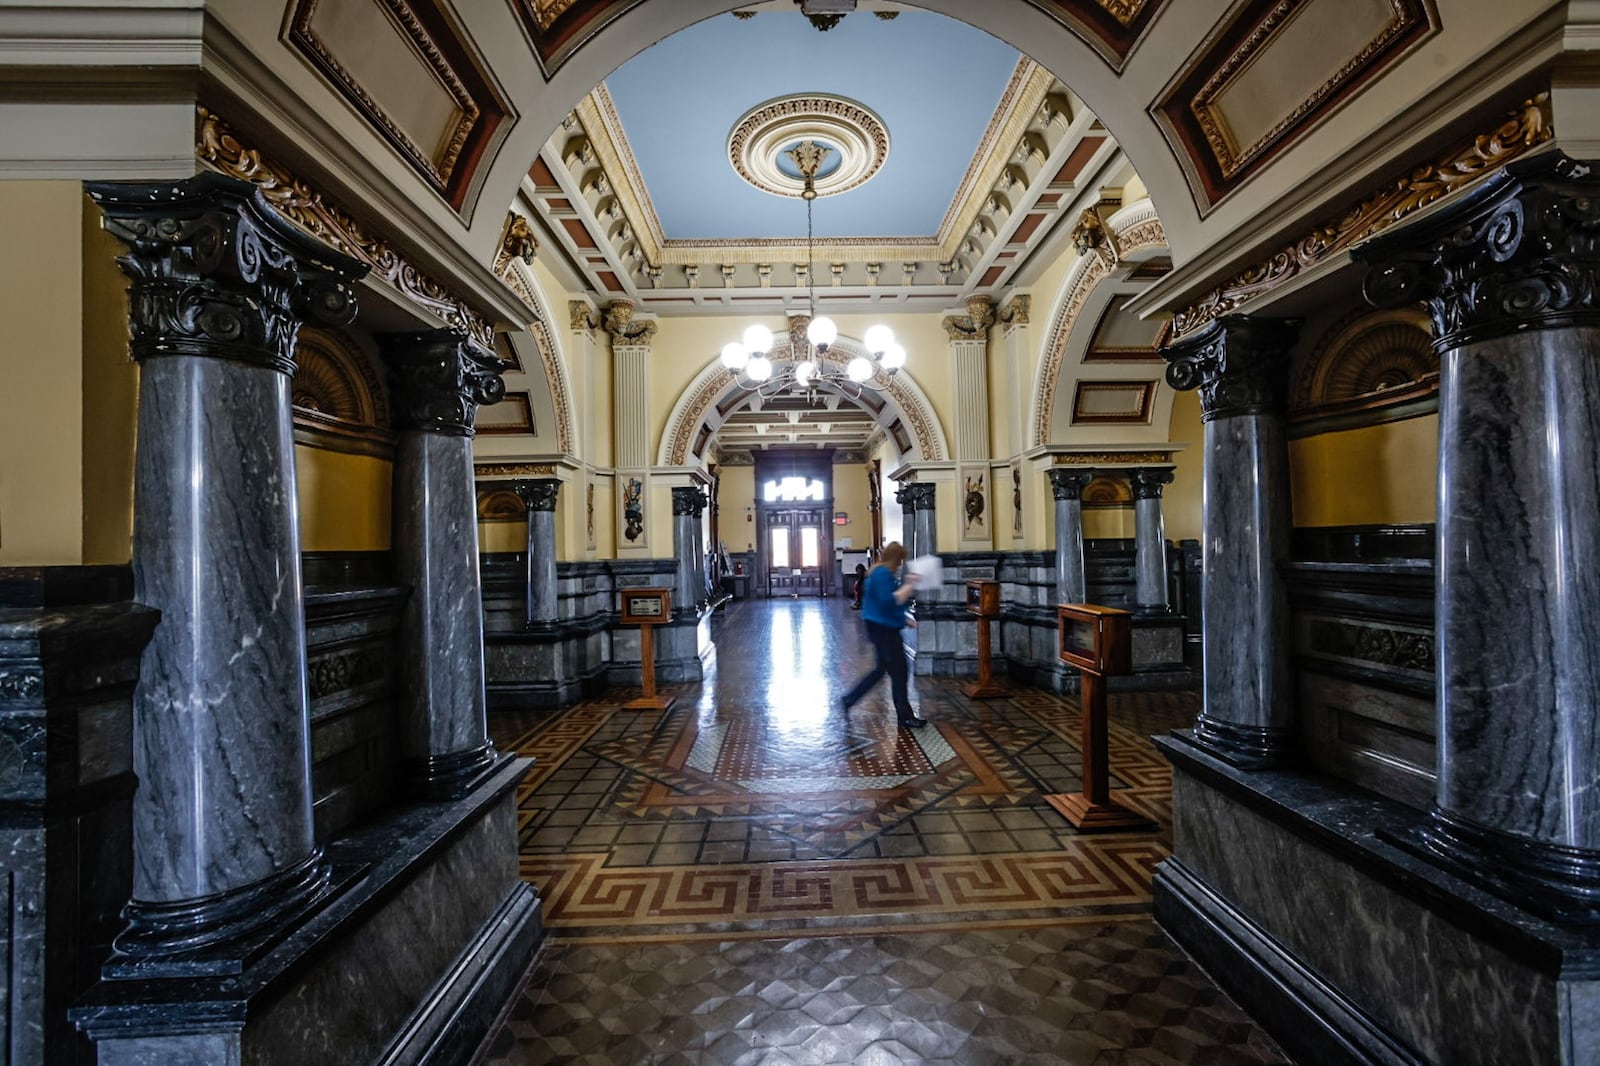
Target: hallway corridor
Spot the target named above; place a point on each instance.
(756, 877)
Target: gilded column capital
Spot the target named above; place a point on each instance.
(619, 322)
(1239, 363)
(1147, 481)
(217, 272)
(539, 494)
(1522, 251)
(1068, 483)
(581, 318)
(1015, 310)
(974, 325)
(441, 377)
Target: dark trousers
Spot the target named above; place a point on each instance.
(891, 652)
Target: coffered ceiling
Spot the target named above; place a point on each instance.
(973, 157)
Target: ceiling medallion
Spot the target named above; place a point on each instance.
(759, 140)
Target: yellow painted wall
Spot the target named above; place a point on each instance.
(1369, 476)
(1108, 523)
(344, 500)
(1181, 500)
(736, 500)
(605, 511)
(851, 495)
(110, 397)
(42, 366)
(502, 537)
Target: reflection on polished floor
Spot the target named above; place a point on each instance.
(756, 877)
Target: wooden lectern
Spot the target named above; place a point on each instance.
(1099, 642)
(647, 608)
(983, 600)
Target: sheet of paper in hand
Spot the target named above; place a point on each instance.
(929, 569)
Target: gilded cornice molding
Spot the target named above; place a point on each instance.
(487, 470)
(1524, 128)
(1111, 458)
(219, 147)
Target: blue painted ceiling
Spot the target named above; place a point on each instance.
(934, 81)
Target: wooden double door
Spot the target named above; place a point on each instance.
(796, 549)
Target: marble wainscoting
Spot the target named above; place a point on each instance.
(1362, 637)
(430, 940)
(1024, 637)
(1350, 950)
(542, 666)
(70, 644)
(545, 665)
(350, 668)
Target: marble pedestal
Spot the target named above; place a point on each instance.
(411, 964)
(1350, 950)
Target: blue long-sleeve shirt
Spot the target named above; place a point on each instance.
(877, 602)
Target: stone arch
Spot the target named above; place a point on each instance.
(1367, 360)
(1136, 236)
(697, 407)
(1053, 35)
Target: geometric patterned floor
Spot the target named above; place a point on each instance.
(754, 876)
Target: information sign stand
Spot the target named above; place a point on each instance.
(647, 608)
(983, 600)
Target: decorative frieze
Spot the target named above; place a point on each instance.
(1111, 458)
(1524, 128)
(485, 470)
(219, 147)
(1379, 645)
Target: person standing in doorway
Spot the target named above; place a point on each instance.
(883, 611)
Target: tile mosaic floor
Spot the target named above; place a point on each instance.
(757, 877)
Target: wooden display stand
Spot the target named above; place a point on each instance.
(1099, 642)
(983, 600)
(647, 608)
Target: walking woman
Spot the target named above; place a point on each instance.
(883, 611)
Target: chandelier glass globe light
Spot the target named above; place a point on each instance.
(750, 358)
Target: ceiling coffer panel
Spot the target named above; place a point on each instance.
(412, 75)
(1271, 72)
(1111, 27)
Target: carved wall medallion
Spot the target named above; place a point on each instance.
(218, 147)
(1465, 163)
(972, 505)
(633, 508)
(446, 157)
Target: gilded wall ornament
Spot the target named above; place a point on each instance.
(493, 470)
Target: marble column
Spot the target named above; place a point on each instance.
(439, 378)
(540, 495)
(908, 519)
(222, 838)
(702, 594)
(1240, 365)
(686, 508)
(1149, 538)
(924, 527)
(1508, 274)
(1067, 485)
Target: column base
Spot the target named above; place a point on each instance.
(1247, 747)
(1555, 882)
(222, 933)
(449, 776)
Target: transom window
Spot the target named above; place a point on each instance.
(790, 489)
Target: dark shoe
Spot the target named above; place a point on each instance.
(913, 723)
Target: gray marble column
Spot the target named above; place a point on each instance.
(908, 519)
(1067, 485)
(1509, 275)
(685, 518)
(1240, 364)
(702, 594)
(1149, 538)
(439, 378)
(223, 846)
(540, 495)
(925, 529)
